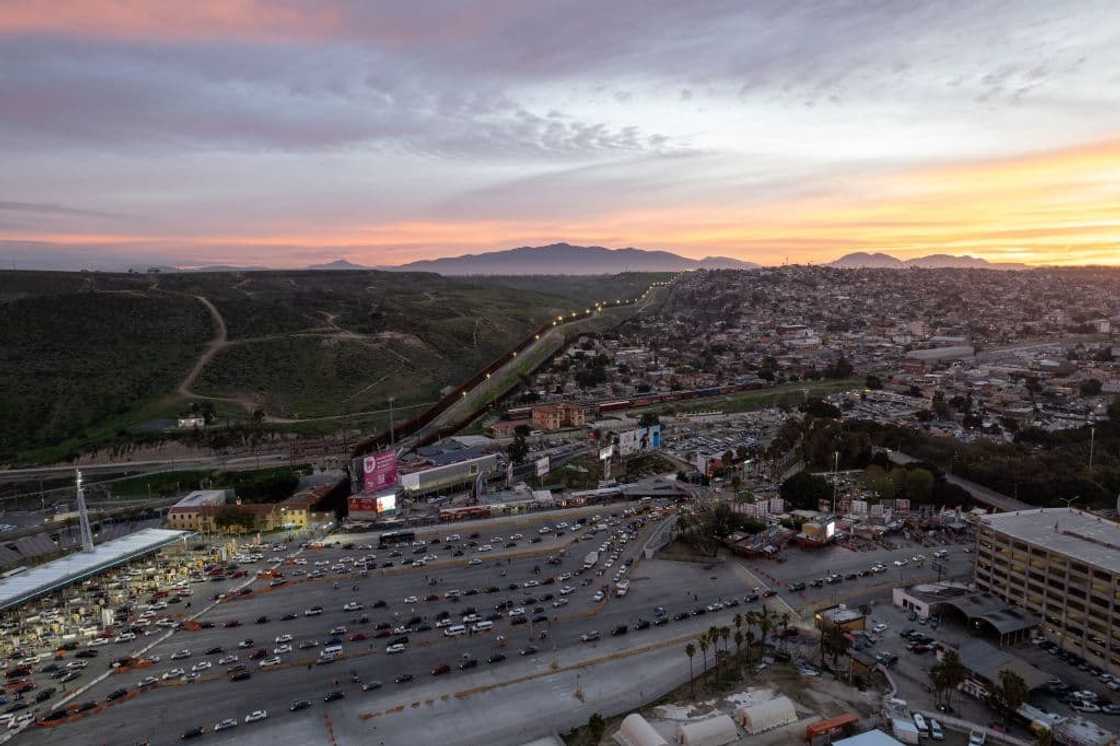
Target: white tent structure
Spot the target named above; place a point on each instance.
(636, 731)
(764, 716)
(715, 731)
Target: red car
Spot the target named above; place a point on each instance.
(383, 633)
(358, 637)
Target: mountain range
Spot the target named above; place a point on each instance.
(566, 259)
(876, 260)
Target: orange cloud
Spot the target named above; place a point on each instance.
(1060, 207)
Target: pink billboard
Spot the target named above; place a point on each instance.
(379, 470)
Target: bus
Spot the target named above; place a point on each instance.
(392, 538)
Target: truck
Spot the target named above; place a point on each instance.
(590, 560)
(621, 588)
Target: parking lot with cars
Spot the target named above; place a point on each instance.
(332, 625)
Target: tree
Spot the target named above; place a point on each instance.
(947, 674)
(1011, 693)
(232, 518)
(739, 638)
(649, 419)
(596, 726)
(805, 490)
(820, 408)
(703, 642)
(1090, 387)
(690, 650)
(518, 449)
(834, 642)
(724, 634)
(873, 382)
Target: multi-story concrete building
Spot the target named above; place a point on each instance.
(558, 416)
(1063, 565)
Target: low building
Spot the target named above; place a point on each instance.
(714, 731)
(981, 611)
(636, 731)
(842, 617)
(558, 416)
(450, 476)
(985, 664)
(767, 715)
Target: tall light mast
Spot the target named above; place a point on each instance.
(83, 515)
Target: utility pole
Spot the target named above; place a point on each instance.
(392, 435)
(1092, 442)
(835, 477)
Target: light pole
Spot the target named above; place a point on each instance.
(835, 477)
(1092, 442)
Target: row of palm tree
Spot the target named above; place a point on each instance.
(762, 619)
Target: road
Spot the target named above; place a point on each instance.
(979, 492)
(163, 712)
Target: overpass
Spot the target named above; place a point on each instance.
(979, 492)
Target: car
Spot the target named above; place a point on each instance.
(313, 611)
(619, 630)
(225, 661)
(935, 731)
(88, 653)
(201, 666)
(191, 733)
(225, 724)
(404, 678)
(334, 696)
(411, 600)
(247, 643)
(270, 662)
(181, 654)
(283, 638)
(530, 650)
(395, 649)
(589, 636)
(116, 694)
(279, 649)
(977, 738)
(496, 658)
(241, 676)
(174, 673)
(262, 620)
(469, 663)
(147, 681)
(641, 624)
(599, 596)
(440, 670)
(369, 686)
(299, 704)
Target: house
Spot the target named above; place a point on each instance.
(558, 416)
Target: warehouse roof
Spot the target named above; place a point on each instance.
(989, 661)
(1074, 533)
(59, 573)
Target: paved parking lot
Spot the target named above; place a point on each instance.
(163, 711)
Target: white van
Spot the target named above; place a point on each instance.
(455, 630)
(331, 650)
(483, 626)
(920, 724)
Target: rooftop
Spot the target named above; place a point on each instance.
(1074, 533)
(202, 497)
(51, 576)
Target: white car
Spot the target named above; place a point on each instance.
(269, 662)
(517, 612)
(146, 682)
(598, 596)
(901, 563)
(174, 673)
(201, 666)
(563, 576)
(879, 628)
(285, 648)
(411, 600)
(394, 649)
(72, 665)
(352, 606)
(256, 715)
(125, 637)
(544, 530)
(227, 660)
(313, 611)
(475, 561)
(225, 724)
(486, 548)
(566, 590)
(283, 638)
(559, 602)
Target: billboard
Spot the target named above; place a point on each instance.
(379, 470)
(362, 508)
(543, 466)
(641, 439)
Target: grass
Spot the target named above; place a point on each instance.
(790, 394)
(87, 358)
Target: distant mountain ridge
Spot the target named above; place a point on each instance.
(878, 260)
(566, 259)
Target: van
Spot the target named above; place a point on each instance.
(920, 724)
(455, 630)
(331, 650)
(483, 626)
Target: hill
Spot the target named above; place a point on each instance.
(865, 260)
(93, 358)
(566, 259)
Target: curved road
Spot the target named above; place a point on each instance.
(219, 341)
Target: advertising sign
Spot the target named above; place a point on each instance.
(379, 470)
(542, 466)
(605, 454)
(362, 508)
(386, 503)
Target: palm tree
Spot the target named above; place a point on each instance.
(1012, 691)
(739, 643)
(724, 633)
(750, 642)
(690, 650)
(703, 642)
(765, 624)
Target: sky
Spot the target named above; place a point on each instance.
(292, 132)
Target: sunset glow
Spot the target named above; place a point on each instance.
(256, 134)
